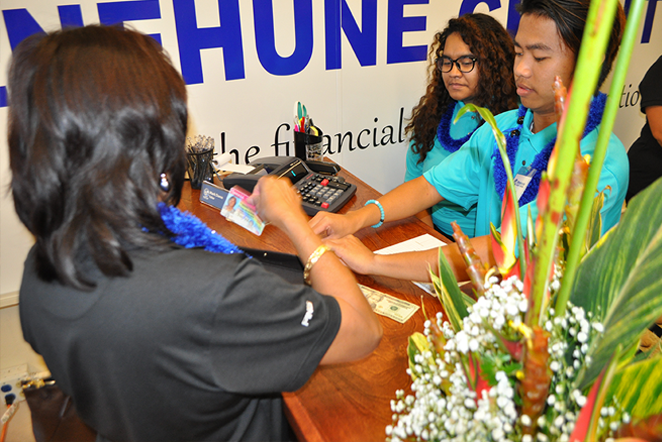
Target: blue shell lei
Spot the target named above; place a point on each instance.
(444, 131)
(191, 232)
(540, 161)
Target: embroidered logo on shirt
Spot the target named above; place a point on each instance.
(309, 314)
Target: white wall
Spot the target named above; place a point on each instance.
(249, 110)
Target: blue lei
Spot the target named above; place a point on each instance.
(540, 161)
(191, 232)
(444, 131)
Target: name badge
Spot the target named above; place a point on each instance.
(523, 179)
(212, 195)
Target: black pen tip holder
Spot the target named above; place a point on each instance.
(308, 147)
(199, 166)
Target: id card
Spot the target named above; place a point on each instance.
(238, 211)
(522, 180)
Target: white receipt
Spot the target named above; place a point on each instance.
(423, 242)
(223, 162)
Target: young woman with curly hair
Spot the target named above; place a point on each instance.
(471, 62)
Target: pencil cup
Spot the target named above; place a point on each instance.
(199, 167)
(307, 146)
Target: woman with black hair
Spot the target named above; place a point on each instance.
(158, 327)
(471, 62)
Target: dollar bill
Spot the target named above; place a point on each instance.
(389, 306)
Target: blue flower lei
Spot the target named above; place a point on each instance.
(444, 131)
(540, 161)
(192, 232)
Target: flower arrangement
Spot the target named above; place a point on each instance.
(546, 349)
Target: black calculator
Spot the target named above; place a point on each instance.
(319, 191)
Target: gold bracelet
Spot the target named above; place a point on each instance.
(314, 257)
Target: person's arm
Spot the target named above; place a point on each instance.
(413, 266)
(654, 117)
(405, 200)
(360, 330)
(426, 217)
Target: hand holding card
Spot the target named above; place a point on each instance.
(241, 212)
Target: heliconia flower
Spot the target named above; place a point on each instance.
(646, 429)
(543, 193)
(475, 267)
(534, 387)
(504, 244)
(515, 348)
(584, 420)
(576, 187)
(481, 383)
(561, 97)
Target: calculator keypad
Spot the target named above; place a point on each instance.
(321, 191)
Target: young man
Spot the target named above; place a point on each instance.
(546, 45)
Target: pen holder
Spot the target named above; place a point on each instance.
(307, 147)
(199, 167)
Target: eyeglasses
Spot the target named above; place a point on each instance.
(465, 64)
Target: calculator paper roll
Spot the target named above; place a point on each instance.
(224, 163)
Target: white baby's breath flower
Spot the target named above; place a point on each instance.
(526, 420)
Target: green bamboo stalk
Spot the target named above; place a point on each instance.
(606, 126)
(589, 62)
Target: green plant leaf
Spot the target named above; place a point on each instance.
(449, 293)
(588, 421)
(595, 222)
(638, 387)
(618, 79)
(418, 344)
(619, 279)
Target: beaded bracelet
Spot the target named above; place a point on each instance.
(381, 210)
(314, 257)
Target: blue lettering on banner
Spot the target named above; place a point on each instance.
(512, 22)
(193, 39)
(265, 37)
(111, 13)
(70, 15)
(398, 24)
(337, 17)
(19, 24)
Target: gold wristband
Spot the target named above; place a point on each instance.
(314, 257)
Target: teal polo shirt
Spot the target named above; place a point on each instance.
(472, 181)
(445, 212)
